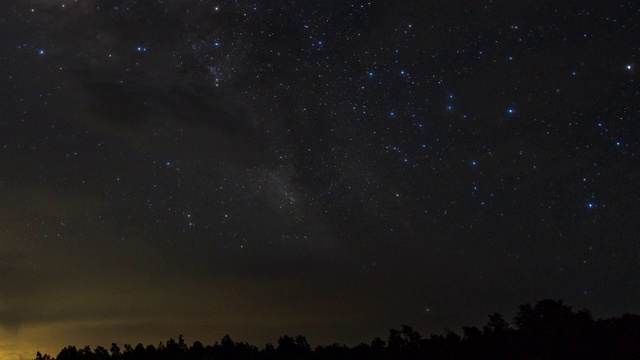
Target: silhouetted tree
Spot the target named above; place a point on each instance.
(175, 349)
(619, 337)
(379, 348)
(151, 352)
(293, 348)
(268, 352)
(40, 356)
(101, 353)
(127, 354)
(68, 353)
(333, 351)
(227, 348)
(85, 353)
(139, 352)
(497, 325)
(547, 330)
(196, 351)
(403, 343)
(115, 351)
(551, 329)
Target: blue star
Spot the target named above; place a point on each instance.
(392, 114)
(511, 110)
(590, 205)
(449, 107)
(618, 143)
(450, 96)
(629, 67)
(370, 73)
(402, 72)
(473, 163)
(216, 44)
(41, 52)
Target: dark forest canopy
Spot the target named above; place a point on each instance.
(547, 330)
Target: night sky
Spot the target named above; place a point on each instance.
(327, 168)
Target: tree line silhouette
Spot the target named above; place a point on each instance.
(547, 330)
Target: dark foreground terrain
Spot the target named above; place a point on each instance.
(546, 330)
